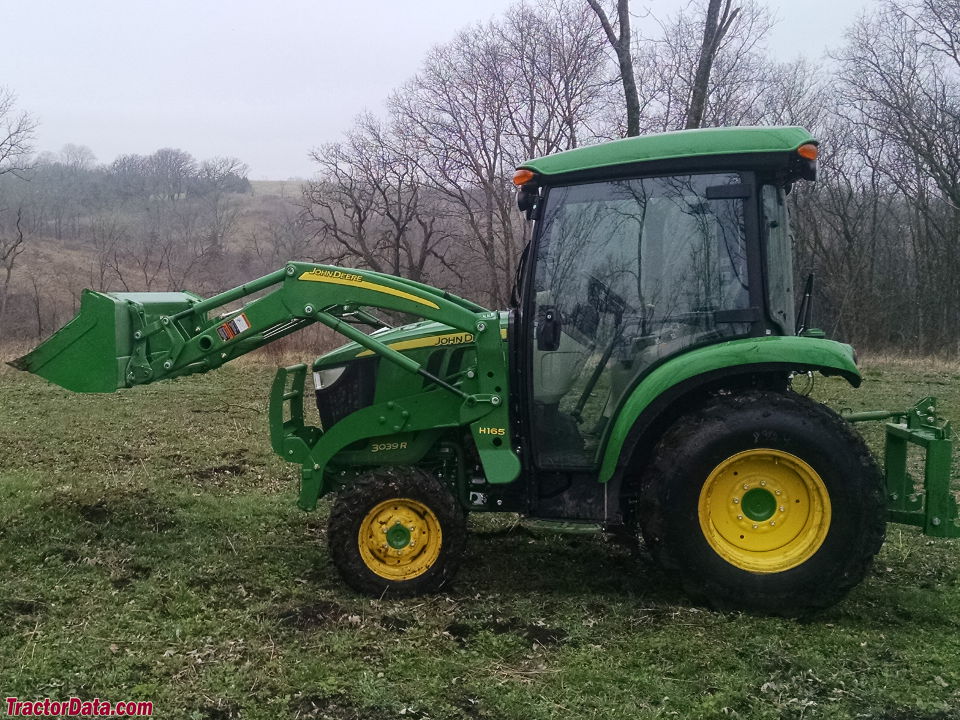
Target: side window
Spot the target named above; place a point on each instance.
(631, 271)
(779, 258)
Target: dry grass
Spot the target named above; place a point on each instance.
(917, 363)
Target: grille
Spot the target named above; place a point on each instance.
(352, 391)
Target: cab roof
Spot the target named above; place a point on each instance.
(682, 144)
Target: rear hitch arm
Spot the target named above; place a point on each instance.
(933, 507)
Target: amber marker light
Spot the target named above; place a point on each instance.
(808, 151)
(522, 177)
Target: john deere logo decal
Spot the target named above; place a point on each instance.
(319, 273)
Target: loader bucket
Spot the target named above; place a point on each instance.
(91, 352)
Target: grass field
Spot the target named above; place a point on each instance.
(150, 549)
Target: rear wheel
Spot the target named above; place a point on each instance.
(764, 501)
(396, 530)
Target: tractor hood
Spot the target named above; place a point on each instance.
(415, 336)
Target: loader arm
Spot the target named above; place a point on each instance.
(120, 340)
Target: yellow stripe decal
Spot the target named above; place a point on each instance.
(339, 278)
(431, 341)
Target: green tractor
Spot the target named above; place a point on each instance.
(641, 384)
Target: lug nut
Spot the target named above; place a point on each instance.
(755, 527)
(739, 517)
(763, 483)
(781, 508)
(736, 500)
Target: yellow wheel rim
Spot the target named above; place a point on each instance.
(400, 539)
(764, 510)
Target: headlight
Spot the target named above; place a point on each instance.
(327, 377)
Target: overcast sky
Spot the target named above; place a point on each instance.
(262, 81)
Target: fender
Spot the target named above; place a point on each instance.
(783, 353)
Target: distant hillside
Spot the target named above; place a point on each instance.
(286, 189)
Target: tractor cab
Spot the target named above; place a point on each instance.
(644, 249)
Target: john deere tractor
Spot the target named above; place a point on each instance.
(641, 384)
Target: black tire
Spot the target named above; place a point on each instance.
(699, 454)
(421, 496)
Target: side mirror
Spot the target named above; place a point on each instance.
(548, 328)
(527, 198)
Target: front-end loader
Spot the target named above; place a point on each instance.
(641, 384)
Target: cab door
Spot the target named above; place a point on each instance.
(626, 273)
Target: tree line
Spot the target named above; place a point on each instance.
(423, 189)
(143, 222)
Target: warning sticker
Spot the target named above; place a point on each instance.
(234, 327)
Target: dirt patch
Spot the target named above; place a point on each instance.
(14, 608)
(531, 632)
(222, 710)
(319, 614)
(218, 472)
(130, 573)
(534, 634)
(389, 622)
(97, 513)
(338, 706)
(460, 632)
(123, 509)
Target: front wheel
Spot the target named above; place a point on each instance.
(396, 530)
(764, 501)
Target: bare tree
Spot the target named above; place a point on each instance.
(720, 17)
(620, 40)
(280, 238)
(495, 96)
(107, 232)
(369, 204)
(900, 85)
(740, 78)
(16, 135)
(12, 245)
(79, 157)
(170, 171)
(219, 182)
(37, 297)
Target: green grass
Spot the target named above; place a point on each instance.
(150, 549)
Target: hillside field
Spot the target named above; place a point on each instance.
(150, 549)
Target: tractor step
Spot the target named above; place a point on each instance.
(561, 527)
